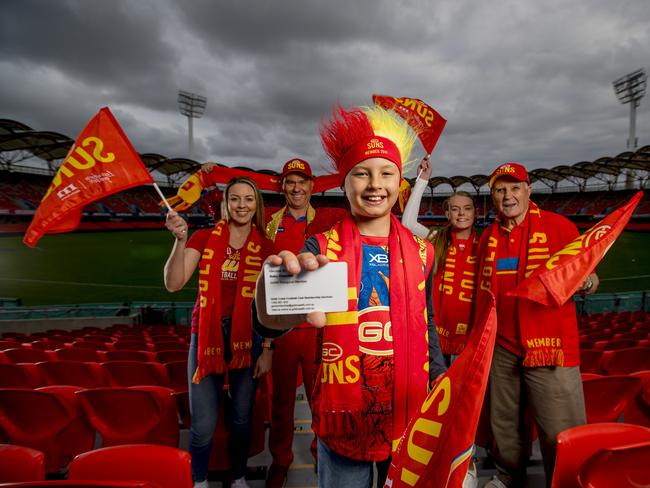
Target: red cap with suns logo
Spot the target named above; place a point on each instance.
(514, 171)
(297, 165)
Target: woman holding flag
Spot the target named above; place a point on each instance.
(456, 248)
(229, 257)
(387, 333)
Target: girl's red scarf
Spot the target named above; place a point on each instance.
(547, 338)
(211, 358)
(339, 404)
(453, 293)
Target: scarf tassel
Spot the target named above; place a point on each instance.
(241, 361)
(545, 357)
(204, 370)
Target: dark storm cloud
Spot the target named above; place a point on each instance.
(527, 81)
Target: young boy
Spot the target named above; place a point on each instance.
(386, 344)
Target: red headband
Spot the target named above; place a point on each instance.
(369, 147)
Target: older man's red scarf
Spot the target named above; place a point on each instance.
(338, 405)
(548, 335)
(453, 294)
(211, 358)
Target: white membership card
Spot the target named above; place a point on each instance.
(325, 289)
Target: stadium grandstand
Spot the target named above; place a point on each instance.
(113, 324)
(583, 191)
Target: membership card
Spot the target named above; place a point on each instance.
(325, 289)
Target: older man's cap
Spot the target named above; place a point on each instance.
(513, 171)
(297, 165)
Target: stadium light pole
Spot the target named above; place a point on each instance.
(191, 106)
(630, 89)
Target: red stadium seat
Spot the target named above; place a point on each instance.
(47, 420)
(75, 373)
(65, 338)
(638, 408)
(20, 376)
(590, 361)
(170, 346)
(134, 373)
(94, 345)
(47, 345)
(177, 372)
(169, 356)
(126, 355)
(167, 467)
(80, 354)
(577, 444)
(619, 466)
(18, 463)
(625, 361)
(9, 345)
(25, 355)
(129, 345)
(132, 415)
(607, 397)
(614, 345)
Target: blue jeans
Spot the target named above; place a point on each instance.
(205, 398)
(335, 470)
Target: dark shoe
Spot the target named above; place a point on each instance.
(277, 476)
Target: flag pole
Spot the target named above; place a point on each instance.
(155, 185)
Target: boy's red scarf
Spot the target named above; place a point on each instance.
(545, 335)
(339, 403)
(453, 293)
(211, 346)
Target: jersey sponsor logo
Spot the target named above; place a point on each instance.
(331, 352)
(376, 331)
(380, 258)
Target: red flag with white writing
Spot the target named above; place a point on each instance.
(101, 162)
(438, 443)
(555, 281)
(424, 120)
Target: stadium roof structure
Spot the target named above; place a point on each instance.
(19, 141)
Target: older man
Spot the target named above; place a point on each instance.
(288, 228)
(536, 357)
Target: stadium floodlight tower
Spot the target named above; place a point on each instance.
(191, 106)
(630, 89)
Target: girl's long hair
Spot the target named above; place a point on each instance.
(441, 238)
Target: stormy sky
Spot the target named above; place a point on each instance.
(522, 80)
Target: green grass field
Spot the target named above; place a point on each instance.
(108, 267)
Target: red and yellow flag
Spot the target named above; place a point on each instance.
(190, 190)
(555, 282)
(101, 162)
(437, 445)
(424, 120)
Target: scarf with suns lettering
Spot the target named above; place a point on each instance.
(453, 295)
(339, 405)
(547, 334)
(211, 357)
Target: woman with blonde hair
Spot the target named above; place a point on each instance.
(229, 257)
(456, 245)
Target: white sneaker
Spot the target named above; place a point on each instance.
(239, 483)
(471, 478)
(201, 484)
(494, 483)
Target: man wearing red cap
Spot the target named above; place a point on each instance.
(288, 228)
(536, 357)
